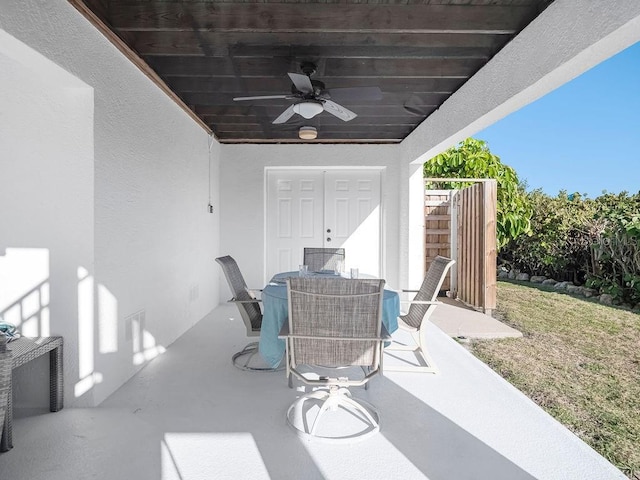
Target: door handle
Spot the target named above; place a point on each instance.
(328, 239)
(328, 230)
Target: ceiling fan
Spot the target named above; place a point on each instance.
(312, 98)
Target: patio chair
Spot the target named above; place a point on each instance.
(319, 259)
(414, 321)
(334, 323)
(249, 306)
(5, 380)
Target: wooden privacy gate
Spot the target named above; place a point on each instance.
(461, 224)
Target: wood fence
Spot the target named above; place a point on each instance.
(461, 224)
(438, 206)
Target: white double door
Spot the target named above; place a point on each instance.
(323, 208)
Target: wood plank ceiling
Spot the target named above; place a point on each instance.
(418, 52)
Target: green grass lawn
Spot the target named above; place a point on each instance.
(578, 360)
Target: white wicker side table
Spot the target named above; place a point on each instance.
(23, 350)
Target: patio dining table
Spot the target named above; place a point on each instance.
(276, 312)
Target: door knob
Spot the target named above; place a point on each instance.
(328, 230)
(328, 239)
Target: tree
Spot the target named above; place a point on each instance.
(472, 159)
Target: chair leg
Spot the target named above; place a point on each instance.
(326, 405)
(287, 365)
(243, 358)
(424, 353)
(358, 407)
(366, 372)
(419, 350)
(332, 400)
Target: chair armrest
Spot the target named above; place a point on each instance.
(333, 339)
(255, 300)
(409, 291)
(385, 336)
(421, 302)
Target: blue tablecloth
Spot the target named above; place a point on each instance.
(276, 312)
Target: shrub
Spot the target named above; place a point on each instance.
(616, 251)
(562, 232)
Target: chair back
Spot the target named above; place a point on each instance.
(428, 291)
(319, 259)
(334, 322)
(249, 311)
(5, 379)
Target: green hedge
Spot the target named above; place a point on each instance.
(595, 241)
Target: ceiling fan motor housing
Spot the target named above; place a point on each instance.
(308, 68)
(318, 89)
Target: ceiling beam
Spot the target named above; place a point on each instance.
(268, 141)
(274, 111)
(425, 99)
(320, 121)
(282, 84)
(316, 18)
(276, 66)
(313, 52)
(224, 44)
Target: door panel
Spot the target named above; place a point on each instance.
(316, 208)
(294, 217)
(352, 213)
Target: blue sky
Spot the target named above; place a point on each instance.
(582, 137)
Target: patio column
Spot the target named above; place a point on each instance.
(411, 226)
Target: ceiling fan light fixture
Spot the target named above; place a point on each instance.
(308, 109)
(308, 133)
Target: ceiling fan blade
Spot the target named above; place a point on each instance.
(355, 93)
(262, 97)
(284, 116)
(416, 106)
(338, 110)
(302, 82)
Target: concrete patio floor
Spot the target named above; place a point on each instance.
(460, 321)
(189, 414)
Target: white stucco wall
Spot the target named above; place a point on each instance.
(110, 176)
(242, 196)
(47, 203)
